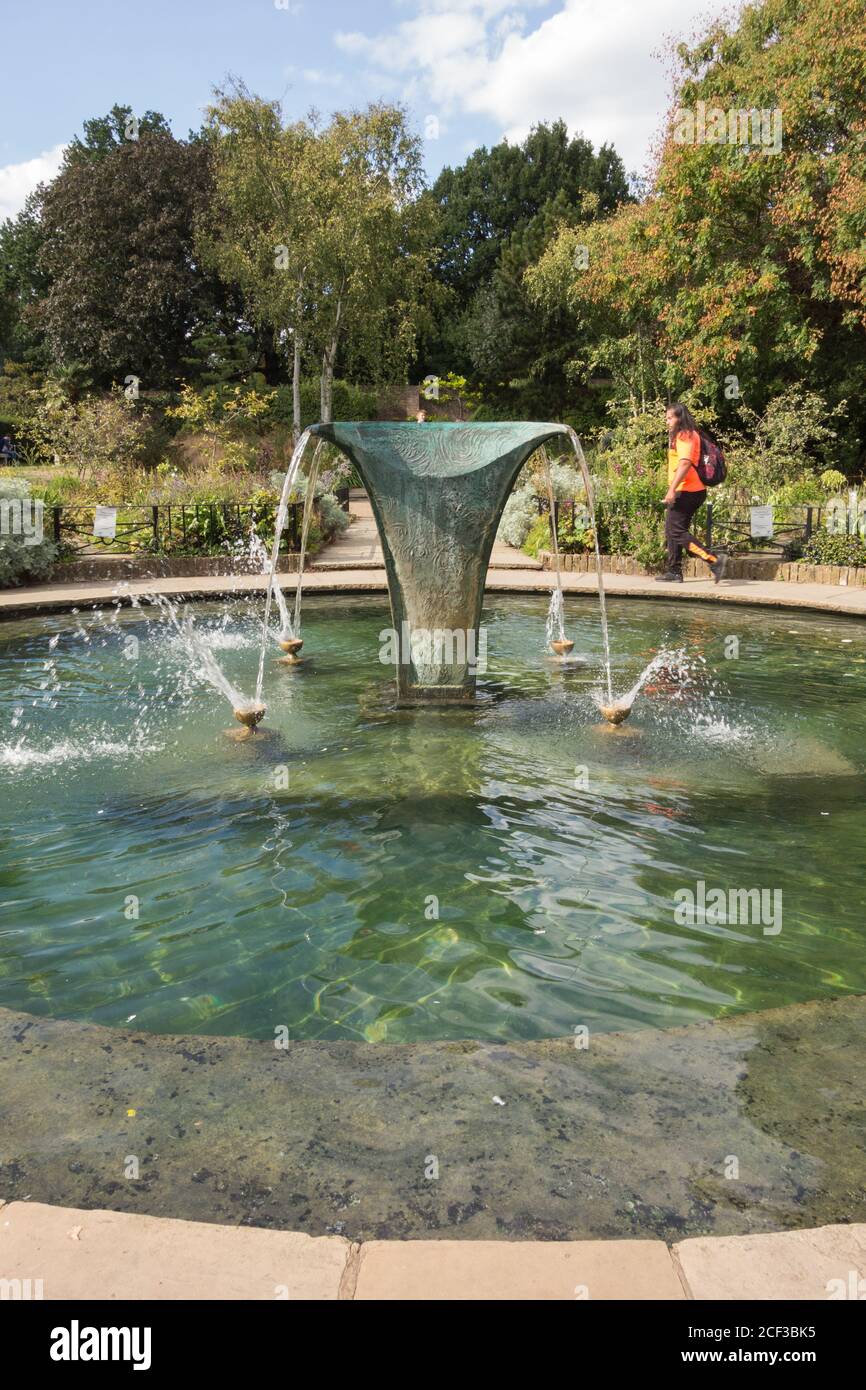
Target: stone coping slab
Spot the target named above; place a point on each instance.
(828, 598)
(816, 1264)
(107, 1254)
(528, 1270)
(49, 1252)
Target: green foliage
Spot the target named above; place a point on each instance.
(216, 527)
(20, 392)
(213, 526)
(825, 548)
(105, 135)
(537, 537)
(20, 562)
(350, 403)
(499, 211)
(22, 284)
(450, 389)
(498, 192)
(832, 480)
(92, 434)
(324, 229)
(776, 456)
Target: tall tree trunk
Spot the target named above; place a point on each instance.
(329, 358)
(296, 387)
(327, 384)
(298, 341)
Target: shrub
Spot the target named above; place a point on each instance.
(519, 515)
(91, 434)
(19, 562)
(826, 549)
(332, 519)
(537, 537)
(349, 403)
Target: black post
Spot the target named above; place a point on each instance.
(154, 519)
(709, 526)
(808, 523)
(57, 515)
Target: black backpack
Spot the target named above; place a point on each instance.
(710, 467)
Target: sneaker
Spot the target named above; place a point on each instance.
(670, 577)
(718, 569)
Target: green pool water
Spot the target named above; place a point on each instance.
(368, 873)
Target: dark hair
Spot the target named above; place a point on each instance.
(685, 420)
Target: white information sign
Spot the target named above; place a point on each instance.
(105, 523)
(761, 525)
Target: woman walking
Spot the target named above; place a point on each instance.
(685, 495)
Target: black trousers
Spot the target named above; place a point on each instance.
(677, 534)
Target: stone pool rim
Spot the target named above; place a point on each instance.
(761, 594)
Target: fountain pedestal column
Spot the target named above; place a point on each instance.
(437, 491)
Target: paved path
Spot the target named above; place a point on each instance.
(115, 1255)
(60, 597)
(353, 564)
(358, 548)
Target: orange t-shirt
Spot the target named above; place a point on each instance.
(687, 445)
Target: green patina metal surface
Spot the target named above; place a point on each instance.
(437, 492)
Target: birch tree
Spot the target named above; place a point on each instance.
(372, 250)
(258, 231)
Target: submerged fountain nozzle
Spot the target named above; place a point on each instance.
(251, 714)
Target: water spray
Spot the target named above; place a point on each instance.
(559, 644)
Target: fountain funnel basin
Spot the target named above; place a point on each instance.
(291, 645)
(562, 646)
(437, 491)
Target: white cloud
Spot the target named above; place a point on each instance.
(17, 180)
(319, 77)
(599, 67)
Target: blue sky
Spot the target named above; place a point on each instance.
(471, 71)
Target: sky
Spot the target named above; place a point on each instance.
(470, 71)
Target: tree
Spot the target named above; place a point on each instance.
(104, 135)
(744, 271)
(372, 245)
(92, 434)
(324, 230)
(22, 282)
(520, 351)
(257, 229)
(124, 290)
(497, 207)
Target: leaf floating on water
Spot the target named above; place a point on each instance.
(497, 1100)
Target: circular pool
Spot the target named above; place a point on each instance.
(511, 871)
